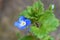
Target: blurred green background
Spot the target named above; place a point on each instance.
(9, 11)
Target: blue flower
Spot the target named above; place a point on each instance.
(22, 23)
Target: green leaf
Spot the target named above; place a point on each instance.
(48, 23)
(28, 38)
(38, 8)
(18, 35)
(48, 38)
(38, 33)
(24, 13)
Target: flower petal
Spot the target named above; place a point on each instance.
(22, 28)
(17, 24)
(28, 22)
(21, 18)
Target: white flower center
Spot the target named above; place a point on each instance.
(23, 23)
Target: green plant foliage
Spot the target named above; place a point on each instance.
(28, 38)
(43, 21)
(18, 35)
(48, 38)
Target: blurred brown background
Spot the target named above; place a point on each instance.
(9, 11)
